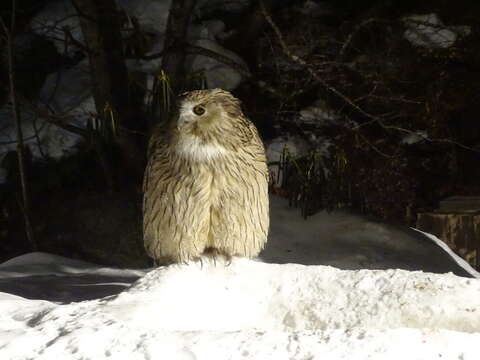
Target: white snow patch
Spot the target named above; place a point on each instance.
(57, 15)
(293, 147)
(253, 310)
(51, 21)
(69, 92)
(319, 113)
(429, 31)
(151, 66)
(38, 263)
(297, 297)
(277, 149)
(352, 242)
(152, 15)
(66, 94)
(43, 138)
(216, 28)
(217, 74)
(415, 137)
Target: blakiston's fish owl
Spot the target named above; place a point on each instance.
(206, 182)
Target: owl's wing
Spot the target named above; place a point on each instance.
(156, 153)
(252, 142)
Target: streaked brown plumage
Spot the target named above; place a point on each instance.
(206, 182)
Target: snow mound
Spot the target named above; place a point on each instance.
(253, 310)
(255, 295)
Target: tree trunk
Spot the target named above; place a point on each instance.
(173, 62)
(457, 222)
(9, 33)
(245, 43)
(101, 27)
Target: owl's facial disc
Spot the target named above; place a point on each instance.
(194, 140)
(190, 113)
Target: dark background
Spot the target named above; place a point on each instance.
(351, 55)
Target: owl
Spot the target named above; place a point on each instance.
(206, 182)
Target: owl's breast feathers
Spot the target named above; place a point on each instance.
(245, 154)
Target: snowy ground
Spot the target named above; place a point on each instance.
(252, 309)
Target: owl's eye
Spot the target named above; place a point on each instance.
(199, 110)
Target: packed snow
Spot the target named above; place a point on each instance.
(253, 310)
(53, 307)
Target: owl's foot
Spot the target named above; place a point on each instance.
(164, 261)
(215, 253)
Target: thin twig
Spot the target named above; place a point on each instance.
(347, 42)
(200, 50)
(373, 118)
(310, 70)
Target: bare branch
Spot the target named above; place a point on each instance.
(298, 60)
(374, 119)
(193, 49)
(347, 43)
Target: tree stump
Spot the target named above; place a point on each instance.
(457, 222)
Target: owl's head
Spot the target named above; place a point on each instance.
(206, 123)
(201, 110)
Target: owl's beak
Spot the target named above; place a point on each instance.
(185, 116)
(183, 121)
